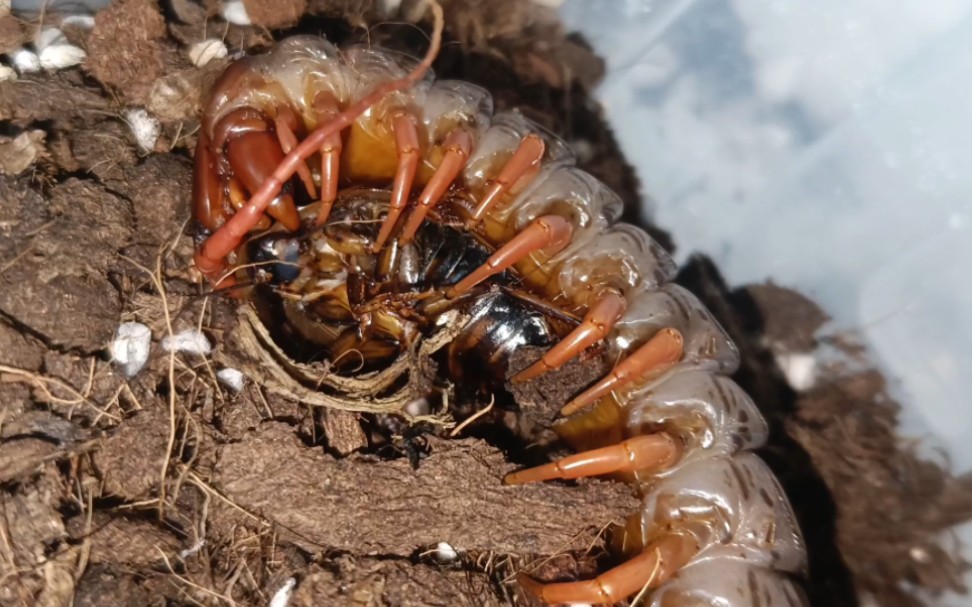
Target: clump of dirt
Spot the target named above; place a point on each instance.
(894, 506)
(12, 35)
(541, 398)
(174, 488)
(275, 15)
(79, 221)
(456, 495)
(127, 48)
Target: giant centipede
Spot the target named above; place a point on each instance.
(364, 204)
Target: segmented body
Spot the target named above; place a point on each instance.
(355, 287)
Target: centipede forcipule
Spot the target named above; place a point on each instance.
(423, 202)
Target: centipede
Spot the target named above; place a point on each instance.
(363, 206)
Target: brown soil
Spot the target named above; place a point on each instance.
(169, 488)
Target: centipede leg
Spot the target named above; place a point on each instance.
(526, 159)
(326, 107)
(253, 156)
(210, 258)
(647, 452)
(252, 152)
(548, 232)
(407, 145)
(650, 568)
(237, 198)
(602, 316)
(458, 145)
(284, 125)
(659, 353)
(207, 191)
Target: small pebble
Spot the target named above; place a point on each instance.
(231, 378)
(83, 21)
(49, 37)
(7, 73)
(418, 407)
(282, 597)
(55, 52)
(145, 128)
(61, 56)
(130, 348)
(192, 342)
(184, 554)
(234, 12)
(25, 62)
(203, 52)
(445, 553)
(799, 368)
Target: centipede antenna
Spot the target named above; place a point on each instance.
(211, 257)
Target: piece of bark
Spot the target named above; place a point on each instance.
(343, 430)
(130, 458)
(127, 49)
(368, 506)
(363, 581)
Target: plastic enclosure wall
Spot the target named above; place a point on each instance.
(824, 145)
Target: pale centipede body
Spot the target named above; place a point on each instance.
(439, 205)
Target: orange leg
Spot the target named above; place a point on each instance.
(602, 316)
(458, 145)
(252, 152)
(407, 145)
(662, 351)
(525, 159)
(237, 198)
(210, 258)
(207, 189)
(547, 232)
(647, 452)
(654, 566)
(326, 106)
(284, 124)
(253, 156)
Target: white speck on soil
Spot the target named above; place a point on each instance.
(55, 52)
(282, 597)
(184, 554)
(445, 553)
(205, 51)
(145, 128)
(234, 12)
(799, 368)
(192, 342)
(85, 21)
(25, 61)
(130, 348)
(231, 378)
